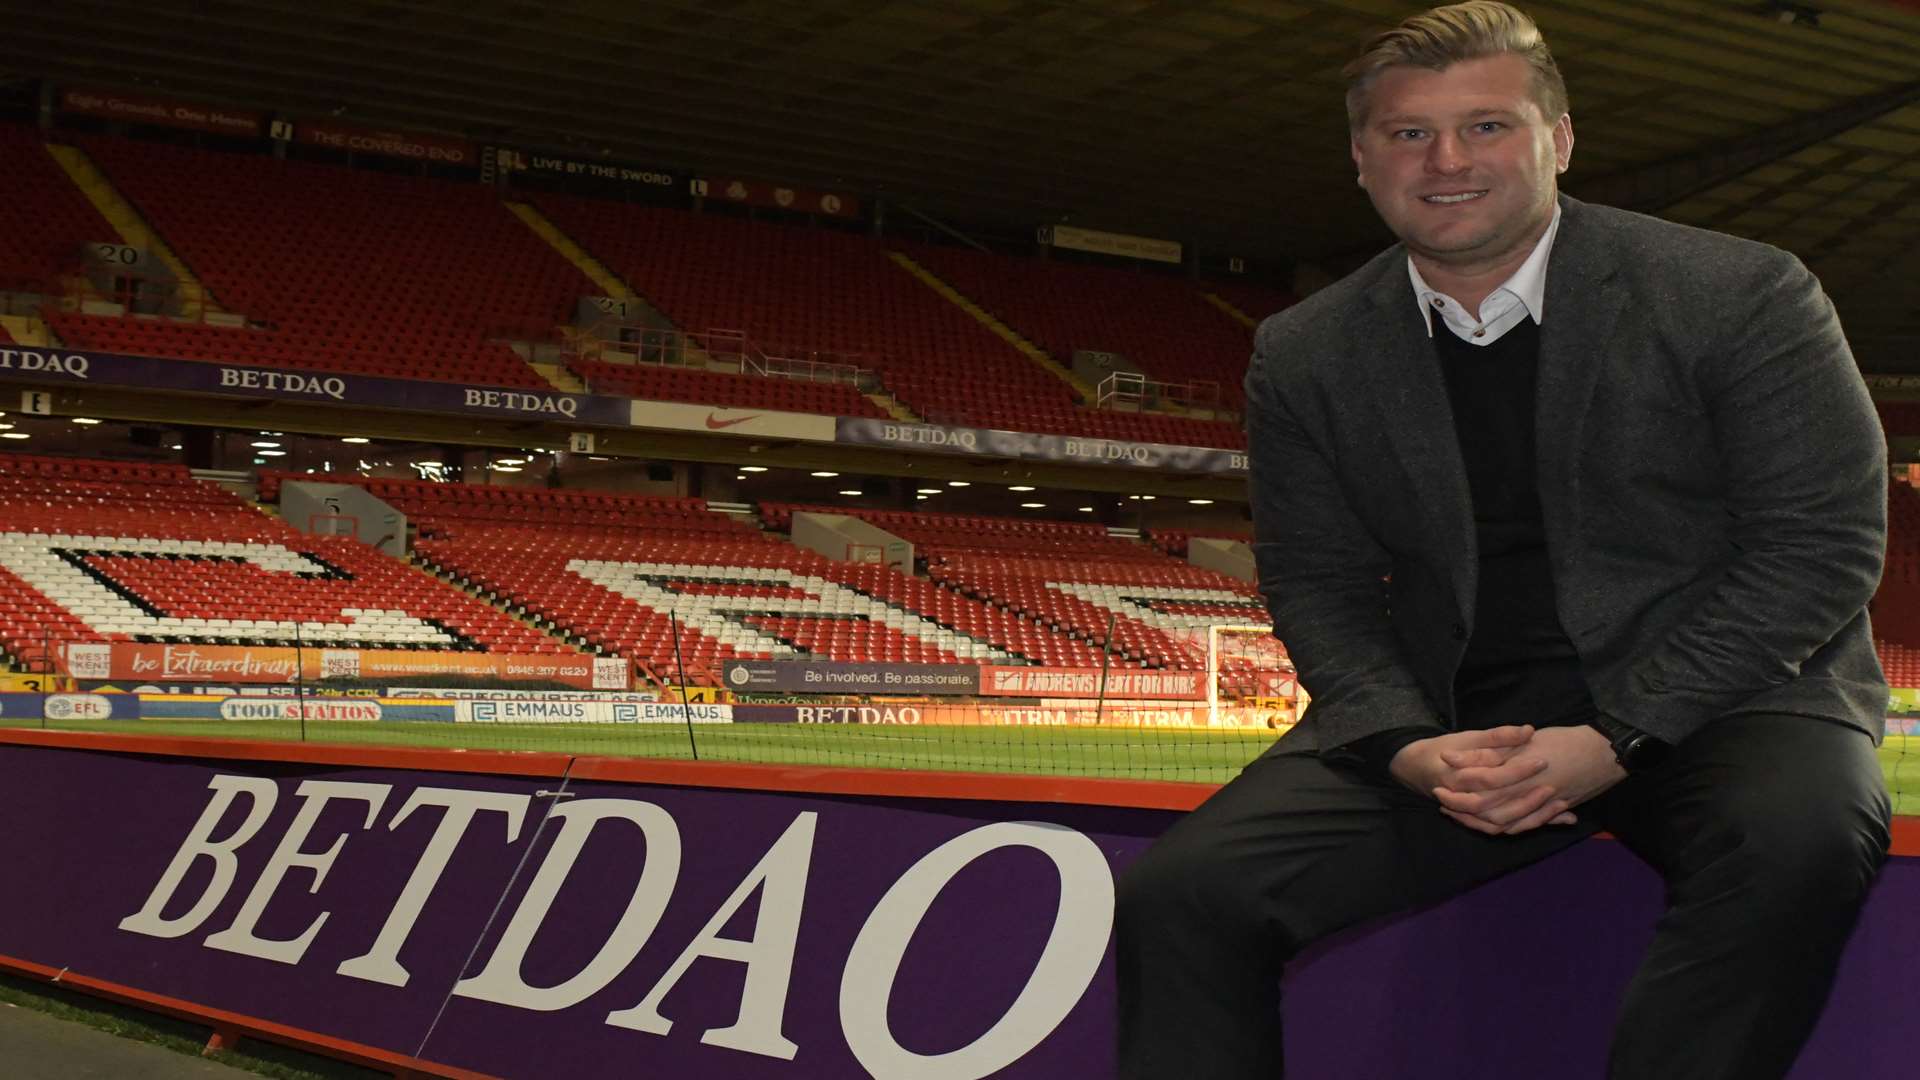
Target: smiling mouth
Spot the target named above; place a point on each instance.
(1450, 200)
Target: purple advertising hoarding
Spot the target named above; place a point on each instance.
(82, 368)
(527, 926)
(675, 931)
(1029, 446)
(86, 368)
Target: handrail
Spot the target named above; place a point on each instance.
(1140, 392)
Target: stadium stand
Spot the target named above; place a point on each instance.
(812, 293)
(1159, 322)
(1175, 541)
(44, 220)
(94, 551)
(616, 572)
(337, 269)
(1899, 417)
(1072, 576)
(1253, 300)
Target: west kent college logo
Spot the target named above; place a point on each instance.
(714, 423)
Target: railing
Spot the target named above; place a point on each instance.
(140, 291)
(812, 365)
(1128, 391)
(614, 341)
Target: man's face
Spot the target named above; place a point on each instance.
(1461, 163)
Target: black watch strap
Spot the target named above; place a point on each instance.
(1632, 748)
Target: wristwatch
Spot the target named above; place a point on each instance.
(1634, 749)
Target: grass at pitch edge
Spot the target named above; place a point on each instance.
(1109, 752)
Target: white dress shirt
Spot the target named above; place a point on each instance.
(1523, 294)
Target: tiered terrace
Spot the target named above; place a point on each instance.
(100, 551)
(339, 269)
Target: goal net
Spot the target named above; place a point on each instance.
(1250, 680)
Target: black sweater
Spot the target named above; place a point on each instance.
(1519, 667)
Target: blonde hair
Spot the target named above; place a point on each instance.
(1438, 38)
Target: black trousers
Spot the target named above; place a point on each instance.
(1766, 829)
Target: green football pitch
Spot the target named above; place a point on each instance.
(1136, 753)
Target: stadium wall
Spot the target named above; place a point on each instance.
(544, 914)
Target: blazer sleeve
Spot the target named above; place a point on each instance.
(1323, 576)
(1806, 489)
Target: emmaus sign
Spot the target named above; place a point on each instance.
(586, 929)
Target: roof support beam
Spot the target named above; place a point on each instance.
(1653, 188)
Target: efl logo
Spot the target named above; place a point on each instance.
(78, 707)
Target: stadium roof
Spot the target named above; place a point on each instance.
(1216, 122)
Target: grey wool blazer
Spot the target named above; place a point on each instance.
(1711, 470)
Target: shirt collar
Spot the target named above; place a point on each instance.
(1528, 284)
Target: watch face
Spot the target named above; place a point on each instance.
(1642, 750)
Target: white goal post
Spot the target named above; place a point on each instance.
(1252, 666)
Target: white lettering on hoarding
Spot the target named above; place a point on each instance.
(1083, 918)
(75, 365)
(500, 981)
(518, 401)
(381, 963)
(781, 879)
(856, 714)
(930, 436)
(240, 937)
(283, 382)
(200, 844)
(776, 885)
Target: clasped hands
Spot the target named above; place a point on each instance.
(1509, 780)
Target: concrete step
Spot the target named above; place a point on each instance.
(1001, 330)
(1231, 311)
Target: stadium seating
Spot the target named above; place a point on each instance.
(1156, 320)
(95, 551)
(44, 220)
(1071, 576)
(1255, 301)
(339, 269)
(821, 293)
(621, 573)
(1899, 417)
(1175, 541)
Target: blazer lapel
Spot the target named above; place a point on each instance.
(1584, 300)
(1398, 356)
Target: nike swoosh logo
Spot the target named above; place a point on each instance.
(716, 425)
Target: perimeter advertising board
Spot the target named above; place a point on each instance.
(666, 930)
(822, 677)
(1130, 683)
(271, 664)
(685, 931)
(78, 368)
